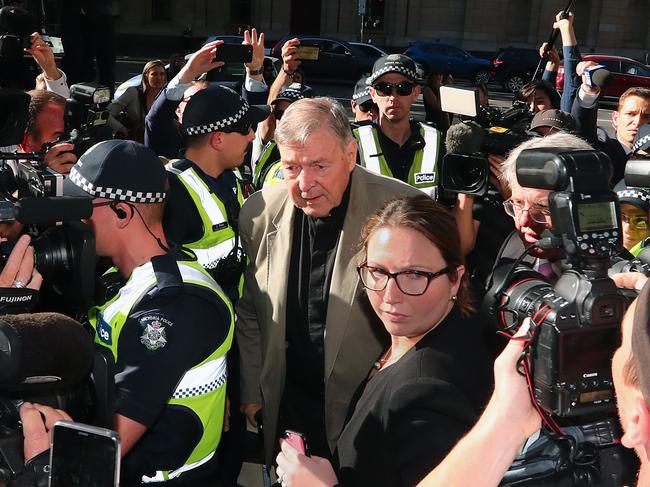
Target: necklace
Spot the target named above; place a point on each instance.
(382, 361)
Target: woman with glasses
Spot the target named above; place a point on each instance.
(426, 389)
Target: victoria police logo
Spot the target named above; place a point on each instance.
(153, 333)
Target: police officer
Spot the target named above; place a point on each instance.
(365, 110)
(205, 193)
(169, 327)
(268, 168)
(396, 146)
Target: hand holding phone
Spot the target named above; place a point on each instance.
(298, 441)
(309, 52)
(234, 53)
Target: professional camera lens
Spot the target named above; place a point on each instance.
(522, 299)
(52, 253)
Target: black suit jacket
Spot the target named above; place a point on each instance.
(411, 414)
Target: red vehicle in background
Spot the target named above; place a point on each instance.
(626, 73)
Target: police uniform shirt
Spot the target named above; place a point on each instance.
(163, 338)
(400, 158)
(182, 221)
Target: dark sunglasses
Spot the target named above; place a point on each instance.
(403, 88)
(368, 106)
(277, 113)
(240, 129)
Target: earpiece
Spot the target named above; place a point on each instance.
(121, 214)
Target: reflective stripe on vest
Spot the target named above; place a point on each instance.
(218, 237)
(423, 173)
(202, 389)
(267, 172)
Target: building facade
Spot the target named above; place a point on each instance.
(618, 27)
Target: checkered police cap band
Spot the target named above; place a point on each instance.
(216, 126)
(392, 68)
(294, 94)
(361, 94)
(640, 143)
(634, 193)
(114, 193)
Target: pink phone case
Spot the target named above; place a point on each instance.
(296, 440)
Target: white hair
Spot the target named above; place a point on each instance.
(306, 116)
(556, 140)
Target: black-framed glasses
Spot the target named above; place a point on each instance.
(538, 214)
(410, 282)
(240, 129)
(403, 88)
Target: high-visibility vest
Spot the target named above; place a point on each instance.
(218, 237)
(268, 168)
(202, 389)
(424, 171)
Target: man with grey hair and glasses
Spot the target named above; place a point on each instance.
(306, 333)
(529, 208)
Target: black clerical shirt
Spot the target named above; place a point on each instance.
(313, 251)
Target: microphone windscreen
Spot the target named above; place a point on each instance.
(465, 138)
(43, 347)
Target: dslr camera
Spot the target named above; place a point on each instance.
(577, 321)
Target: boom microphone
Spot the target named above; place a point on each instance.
(43, 348)
(465, 138)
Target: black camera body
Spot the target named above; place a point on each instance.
(578, 319)
(86, 116)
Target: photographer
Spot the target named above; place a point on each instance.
(45, 125)
(541, 94)
(485, 454)
(529, 207)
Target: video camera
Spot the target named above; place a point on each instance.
(64, 252)
(489, 130)
(577, 320)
